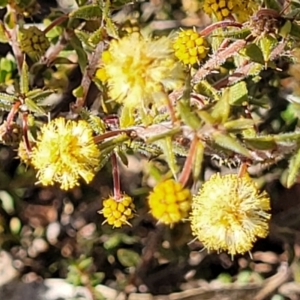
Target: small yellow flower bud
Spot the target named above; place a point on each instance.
(118, 212)
(169, 202)
(190, 47)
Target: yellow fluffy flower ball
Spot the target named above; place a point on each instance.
(169, 202)
(190, 47)
(118, 212)
(64, 152)
(229, 213)
(139, 69)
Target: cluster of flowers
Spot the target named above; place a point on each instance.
(228, 213)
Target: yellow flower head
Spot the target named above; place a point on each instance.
(170, 202)
(138, 69)
(190, 47)
(229, 213)
(118, 212)
(221, 9)
(64, 152)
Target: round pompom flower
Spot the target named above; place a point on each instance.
(169, 202)
(139, 70)
(118, 212)
(190, 47)
(221, 9)
(229, 213)
(64, 152)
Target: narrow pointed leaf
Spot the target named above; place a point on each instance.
(82, 56)
(261, 142)
(230, 143)
(7, 97)
(167, 148)
(24, 80)
(87, 12)
(239, 124)
(33, 107)
(188, 116)
(123, 158)
(37, 95)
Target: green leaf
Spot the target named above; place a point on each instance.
(24, 80)
(285, 30)
(96, 37)
(81, 53)
(206, 89)
(273, 4)
(239, 124)
(33, 107)
(123, 157)
(221, 110)
(85, 263)
(261, 142)
(166, 145)
(230, 143)
(7, 98)
(254, 53)
(293, 169)
(37, 95)
(3, 36)
(238, 94)
(295, 30)
(87, 12)
(267, 43)
(188, 116)
(128, 258)
(5, 106)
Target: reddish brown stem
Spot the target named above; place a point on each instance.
(88, 74)
(25, 132)
(104, 136)
(12, 113)
(209, 29)
(242, 170)
(116, 177)
(186, 171)
(56, 22)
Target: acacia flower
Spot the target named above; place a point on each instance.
(118, 212)
(190, 47)
(169, 202)
(221, 9)
(64, 152)
(229, 213)
(139, 70)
